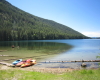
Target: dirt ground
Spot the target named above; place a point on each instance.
(39, 69)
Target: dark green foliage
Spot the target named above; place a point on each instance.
(16, 24)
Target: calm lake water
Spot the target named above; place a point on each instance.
(53, 50)
(86, 49)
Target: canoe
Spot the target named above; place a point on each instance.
(22, 62)
(29, 63)
(17, 61)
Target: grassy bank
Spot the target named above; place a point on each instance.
(32, 75)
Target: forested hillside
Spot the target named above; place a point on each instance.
(16, 24)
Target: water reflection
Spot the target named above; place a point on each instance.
(37, 50)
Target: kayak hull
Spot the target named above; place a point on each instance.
(26, 65)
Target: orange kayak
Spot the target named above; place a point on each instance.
(29, 63)
(22, 62)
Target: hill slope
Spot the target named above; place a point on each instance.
(16, 24)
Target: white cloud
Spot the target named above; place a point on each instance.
(92, 34)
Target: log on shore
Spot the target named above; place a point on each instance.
(70, 61)
(7, 64)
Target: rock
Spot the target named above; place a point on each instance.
(83, 65)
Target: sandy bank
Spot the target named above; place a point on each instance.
(38, 69)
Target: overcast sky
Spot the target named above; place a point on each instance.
(80, 15)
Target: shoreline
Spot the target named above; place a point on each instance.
(42, 70)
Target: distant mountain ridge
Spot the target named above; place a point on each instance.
(16, 24)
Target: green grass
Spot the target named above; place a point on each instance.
(31, 75)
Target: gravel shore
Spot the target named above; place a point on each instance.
(39, 69)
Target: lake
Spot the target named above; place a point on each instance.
(52, 50)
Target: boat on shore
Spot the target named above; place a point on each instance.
(17, 61)
(22, 62)
(27, 64)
